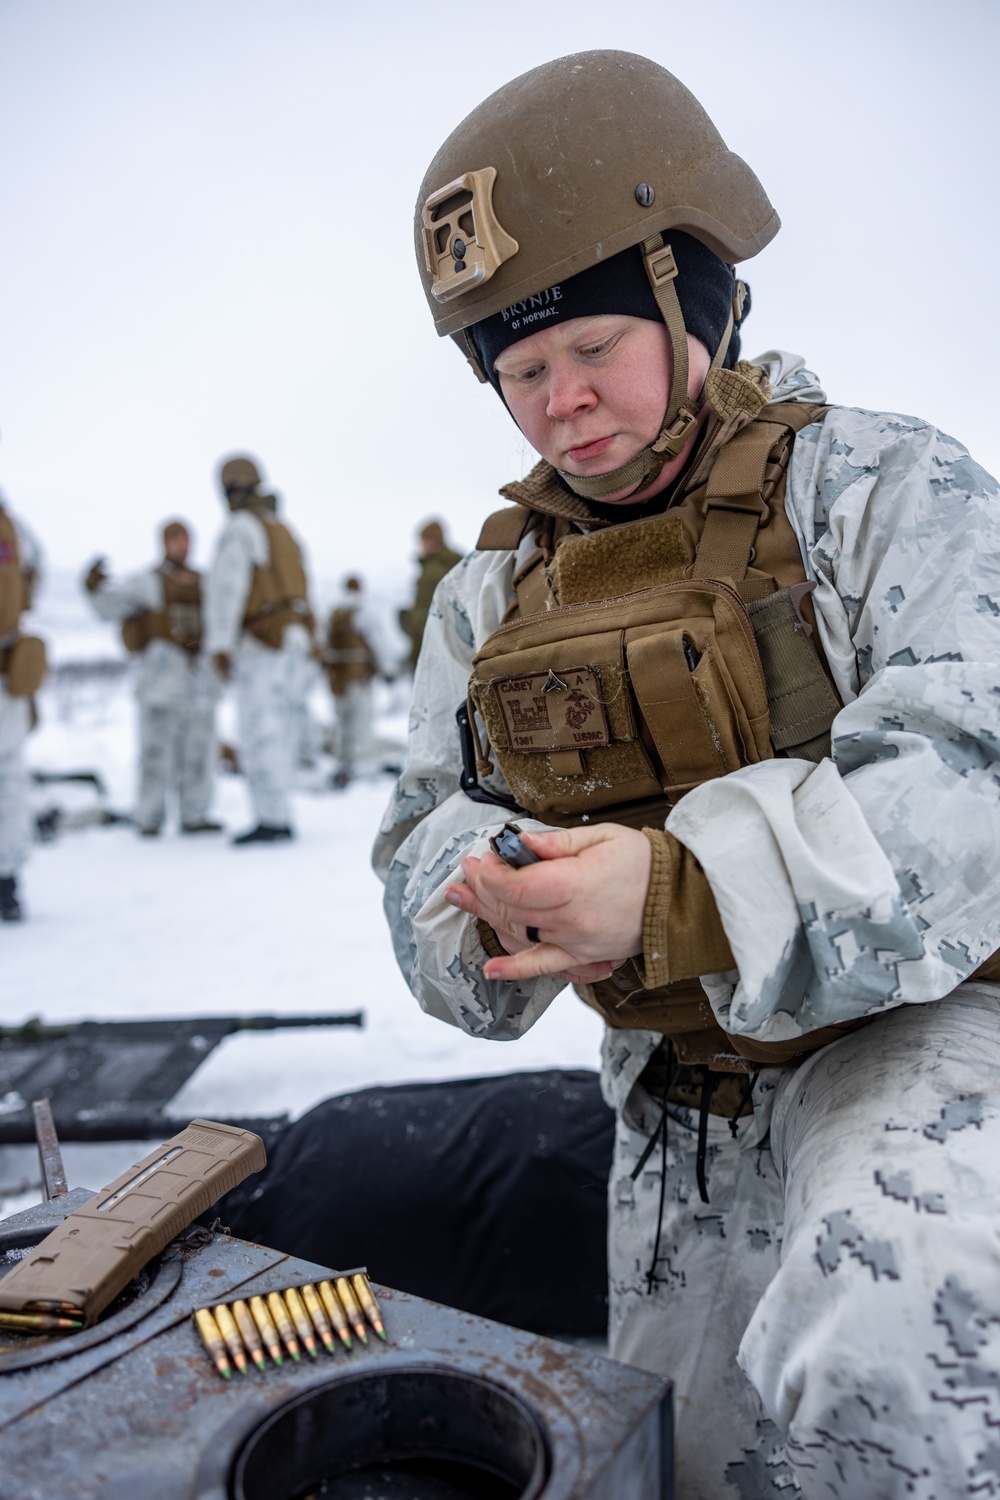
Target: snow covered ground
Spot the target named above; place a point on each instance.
(121, 926)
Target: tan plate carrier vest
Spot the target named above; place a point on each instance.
(278, 594)
(178, 621)
(348, 657)
(22, 660)
(642, 659)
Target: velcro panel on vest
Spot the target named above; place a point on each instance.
(503, 530)
(622, 559)
(803, 704)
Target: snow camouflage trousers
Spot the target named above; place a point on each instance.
(849, 1265)
(268, 703)
(15, 817)
(177, 750)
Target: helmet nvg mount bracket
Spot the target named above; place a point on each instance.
(566, 166)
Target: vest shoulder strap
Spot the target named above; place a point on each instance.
(741, 481)
(795, 414)
(503, 530)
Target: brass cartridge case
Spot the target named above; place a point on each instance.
(208, 1328)
(335, 1312)
(279, 1312)
(351, 1308)
(268, 1332)
(301, 1320)
(321, 1322)
(232, 1336)
(369, 1301)
(249, 1333)
(38, 1323)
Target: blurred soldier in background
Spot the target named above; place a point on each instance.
(160, 614)
(304, 675)
(22, 668)
(435, 560)
(352, 662)
(258, 629)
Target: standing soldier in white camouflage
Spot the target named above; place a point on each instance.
(22, 670)
(732, 659)
(159, 610)
(352, 664)
(258, 629)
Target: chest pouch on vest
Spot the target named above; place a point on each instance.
(25, 666)
(611, 708)
(137, 631)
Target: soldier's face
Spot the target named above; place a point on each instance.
(590, 394)
(176, 546)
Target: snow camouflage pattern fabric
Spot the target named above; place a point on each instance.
(879, 864)
(880, 867)
(177, 695)
(856, 1244)
(271, 686)
(15, 725)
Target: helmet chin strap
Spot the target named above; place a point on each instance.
(682, 411)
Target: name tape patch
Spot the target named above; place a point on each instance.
(551, 710)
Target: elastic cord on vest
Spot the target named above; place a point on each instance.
(682, 411)
(672, 1074)
(734, 1123)
(708, 1082)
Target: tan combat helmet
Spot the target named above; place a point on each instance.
(570, 164)
(239, 473)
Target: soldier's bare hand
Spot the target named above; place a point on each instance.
(585, 899)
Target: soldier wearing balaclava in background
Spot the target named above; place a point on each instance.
(258, 632)
(159, 609)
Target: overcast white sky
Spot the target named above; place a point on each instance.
(205, 241)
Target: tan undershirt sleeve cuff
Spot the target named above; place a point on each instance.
(682, 933)
(490, 941)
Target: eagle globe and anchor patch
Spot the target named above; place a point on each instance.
(546, 711)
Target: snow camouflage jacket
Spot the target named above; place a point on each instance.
(880, 865)
(168, 676)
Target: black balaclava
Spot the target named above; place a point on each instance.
(704, 286)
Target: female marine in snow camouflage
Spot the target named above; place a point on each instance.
(831, 1315)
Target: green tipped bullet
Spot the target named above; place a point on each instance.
(231, 1335)
(335, 1312)
(351, 1307)
(38, 1323)
(369, 1301)
(279, 1312)
(268, 1332)
(302, 1321)
(321, 1322)
(213, 1341)
(249, 1333)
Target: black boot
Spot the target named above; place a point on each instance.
(265, 833)
(202, 825)
(10, 907)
